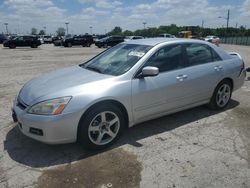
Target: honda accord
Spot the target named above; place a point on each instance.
(132, 82)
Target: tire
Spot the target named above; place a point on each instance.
(88, 44)
(12, 46)
(221, 96)
(101, 127)
(69, 44)
(33, 46)
(105, 45)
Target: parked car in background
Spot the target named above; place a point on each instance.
(47, 39)
(24, 40)
(127, 38)
(132, 82)
(41, 39)
(109, 41)
(212, 39)
(166, 35)
(57, 41)
(2, 38)
(83, 40)
(98, 38)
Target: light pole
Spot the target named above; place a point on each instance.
(90, 28)
(144, 24)
(6, 26)
(202, 24)
(67, 29)
(44, 30)
(226, 18)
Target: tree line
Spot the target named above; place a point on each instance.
(174, 30)
(171, 29)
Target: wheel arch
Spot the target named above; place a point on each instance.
(230, 80)
(108, 101)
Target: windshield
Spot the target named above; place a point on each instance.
(117, 60)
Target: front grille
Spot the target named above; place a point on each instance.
(21, 104)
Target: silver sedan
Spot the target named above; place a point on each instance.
(132, 82)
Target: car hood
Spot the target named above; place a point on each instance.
(56, 82)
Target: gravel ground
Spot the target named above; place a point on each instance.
(194, 148)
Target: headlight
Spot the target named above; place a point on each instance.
(50, 107)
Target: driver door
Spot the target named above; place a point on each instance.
(155, 95)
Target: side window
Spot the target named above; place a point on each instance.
(216, 57)
(198, 54)
(26, 38)
(167, 58)
(20, 38)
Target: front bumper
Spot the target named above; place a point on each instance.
(52, 129)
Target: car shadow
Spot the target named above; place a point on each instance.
(75, 46)
(35, 154)
(21, 48)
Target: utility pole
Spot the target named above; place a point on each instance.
(144, 24)
(6, 26)
(67, 29)
(228, 13)
(44, 30)
(90, 28)
(202, 24)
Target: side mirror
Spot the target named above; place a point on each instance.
(149, 71)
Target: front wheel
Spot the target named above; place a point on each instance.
(101, 127)
(221, 96)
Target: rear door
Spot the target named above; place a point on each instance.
(27, 41)
(203, 72)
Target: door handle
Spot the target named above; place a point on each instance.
(181, 77)
(218, 68)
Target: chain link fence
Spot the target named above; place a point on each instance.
(236, 40)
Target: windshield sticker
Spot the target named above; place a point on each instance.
(135, 53)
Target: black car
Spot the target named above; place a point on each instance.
(83, 40)
(31, 41)
(2, 38)
(109, 41)
(57, 41)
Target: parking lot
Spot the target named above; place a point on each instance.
(193, 148)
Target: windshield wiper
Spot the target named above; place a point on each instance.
(93, 69)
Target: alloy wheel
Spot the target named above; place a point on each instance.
(103, 128)
(223, 95)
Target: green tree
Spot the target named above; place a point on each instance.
(41, 32)
(33, 31)
(127, 33)
(60, 31)
(116, 31)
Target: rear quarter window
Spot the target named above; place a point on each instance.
(200, 54)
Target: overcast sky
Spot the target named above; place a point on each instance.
(103, 15)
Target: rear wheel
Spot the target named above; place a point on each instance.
(33, 46)
(12, 46)
(69, 44)
(101, 127)
(221, 96)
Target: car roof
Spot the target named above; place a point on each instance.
(155, 41)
